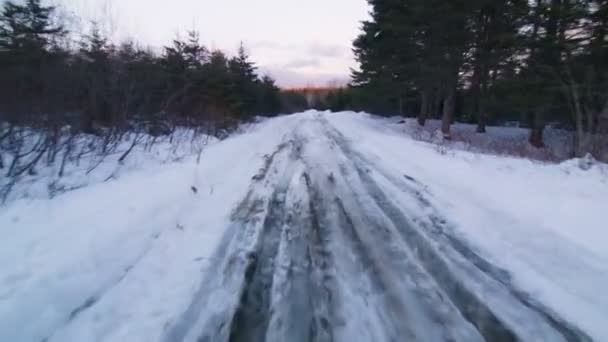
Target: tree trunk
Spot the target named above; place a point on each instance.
(436, 104)
(482, 119)
(580, 132)
(537, 129)
(581, 140)
(602, 129)
(480, 70)
(400, 105)
(536, 137)
(482, 113)
(424, 107)
(476, 90)
(448, 111)
(603, 120)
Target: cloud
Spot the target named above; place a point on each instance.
(328, 50)
(267, 44)
(315, 49)
(303, 63)
(287, 78)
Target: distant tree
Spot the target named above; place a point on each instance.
(194, 53)
(494, 27)
(28, 27)
(269, 96)
(96, 58)
(534, 61)
(100, 85)
(245, 82)
(27, 32)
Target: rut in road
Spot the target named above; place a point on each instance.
(320, 251)
(252, 317)
(210, 314)
(291, 264)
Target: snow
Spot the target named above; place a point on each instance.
(135, 245)
(127, 259)
(510, 141)
(94, 167)
(543, 222)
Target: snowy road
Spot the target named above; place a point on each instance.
(304, 228)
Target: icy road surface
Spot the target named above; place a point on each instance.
(313, 227)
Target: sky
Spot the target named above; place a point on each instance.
(298, 42)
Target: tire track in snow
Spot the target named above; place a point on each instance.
(481, 314)
(252, 317)
(300, 238)
(233, 301)
(290, 221)
(321, 261)
(375, 307)
(420, 193)
(301, 295)
(412, 306)
(209, 318)
(372, 303)
(288, 295)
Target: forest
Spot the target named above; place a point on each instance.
(51, 75)
(536, 62)
(57, 86)
(533, 62)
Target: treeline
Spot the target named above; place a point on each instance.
(486, 61)
(70, 101)
(50, 78)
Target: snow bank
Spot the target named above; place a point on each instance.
(130, 251)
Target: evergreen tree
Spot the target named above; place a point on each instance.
(535, 61)
(269, 96)
(245, 82)
(95, 52)
(26, 34)
(100, 87)
(27, 27)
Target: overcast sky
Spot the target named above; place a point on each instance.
(298, 42)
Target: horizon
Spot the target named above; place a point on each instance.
(313, 48)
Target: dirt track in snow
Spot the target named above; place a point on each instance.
(318, 251)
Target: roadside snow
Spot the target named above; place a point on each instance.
(545, 223)
(132, 250)
(86, 164)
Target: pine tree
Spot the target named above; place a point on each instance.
(27, 33)
(195, 54)
(98, 85)
(541, 59)
(269, 99)
(95, 52)
(494, 28)
(414, 46)
(27, 27)
(245, 82)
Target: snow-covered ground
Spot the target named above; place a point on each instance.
(314, 226)
(545, 223)
(86, 164)
(509, 141)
